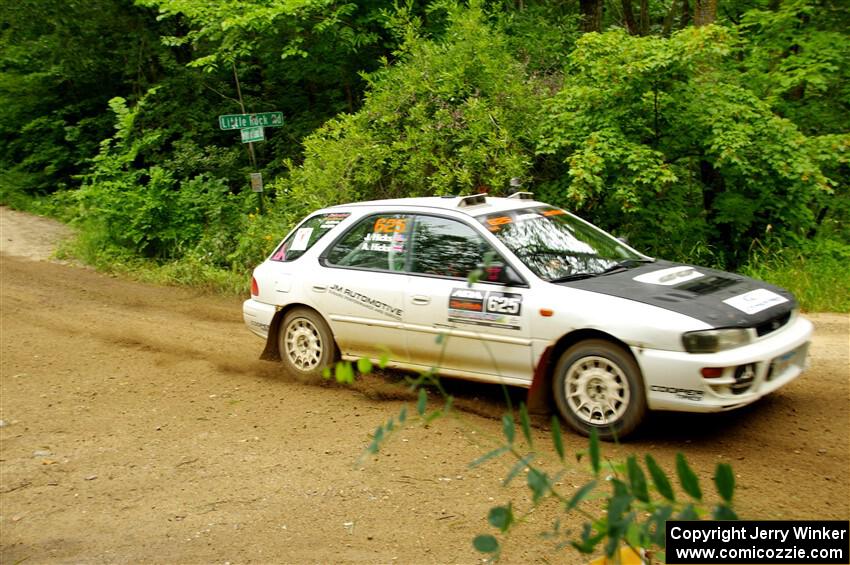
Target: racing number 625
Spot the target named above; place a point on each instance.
(503, 304)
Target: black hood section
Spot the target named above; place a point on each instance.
(701, 298)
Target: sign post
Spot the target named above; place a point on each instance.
(257, 186)
(251, 129)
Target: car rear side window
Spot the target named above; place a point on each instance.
(307, 235)
(446, 248)
(376, 242)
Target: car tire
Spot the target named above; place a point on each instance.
(598, 385)
(305, 343)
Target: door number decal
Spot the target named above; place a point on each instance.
(496, 309)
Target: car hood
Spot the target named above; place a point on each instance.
(717, 298)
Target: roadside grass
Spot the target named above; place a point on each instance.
(818, 274)
(191, 270)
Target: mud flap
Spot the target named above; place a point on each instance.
(538, 398)
(272, 352)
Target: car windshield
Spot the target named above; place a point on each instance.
(557, 246)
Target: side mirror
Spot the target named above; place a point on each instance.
(501, 273)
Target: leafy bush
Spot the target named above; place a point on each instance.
(455, 115)
(663, 141)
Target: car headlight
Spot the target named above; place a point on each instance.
(712, 341)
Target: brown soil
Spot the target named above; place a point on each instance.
(139, 426)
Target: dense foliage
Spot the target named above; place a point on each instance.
(712, 136)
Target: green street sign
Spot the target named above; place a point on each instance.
(241, 121)
(269, 119)
(252, 134)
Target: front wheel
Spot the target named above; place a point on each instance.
(305, 343)
(598, 385)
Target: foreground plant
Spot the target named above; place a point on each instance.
(619, 504)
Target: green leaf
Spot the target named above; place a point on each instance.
(364, 366)
(580, 495)
(326, 373)
(557, 439)
(687, 478)
(490, 455)
(486, 543)
(377, 437)
(659, 479)
(724, 512)
(508, 427)
(538, 482)
(384, 360)
(501, 517)
(688, 513)
(526, 424)
(658, 520)
(402, 415)
(517, 468)
(441, 337)
(593, 450)
(724, 478)
(422, 403)
(344, 372)
(637, 479)
(588, 542)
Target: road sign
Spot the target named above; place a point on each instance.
(241, 121)
(257, 182)
(269, 119)
(252, 134)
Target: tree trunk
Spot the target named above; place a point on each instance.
(686, 14)
(705, 12)
(644, 17)
(591, 13)
(668, 20)
(629, 17)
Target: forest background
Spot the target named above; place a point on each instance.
(707, 131)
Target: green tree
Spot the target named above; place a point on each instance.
(60, 62)
(454, 114)
(663, 139)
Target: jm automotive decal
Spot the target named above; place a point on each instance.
(496, 309)
(365, 301)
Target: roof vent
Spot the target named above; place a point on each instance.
(474, 200)
(522, 195)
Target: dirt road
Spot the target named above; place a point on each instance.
(139, 426)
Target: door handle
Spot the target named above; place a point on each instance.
(319, 288)
(420, 299)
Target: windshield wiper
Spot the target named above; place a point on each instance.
(625, 265)
(572, 277)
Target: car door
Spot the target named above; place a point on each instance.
(359, 286)
(483, 328)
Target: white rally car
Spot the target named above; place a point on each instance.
(559, 306)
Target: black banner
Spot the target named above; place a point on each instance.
(760, 542)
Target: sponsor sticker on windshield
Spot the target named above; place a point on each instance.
(755, 301)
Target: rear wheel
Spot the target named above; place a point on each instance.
(305, 343)
(598, 385)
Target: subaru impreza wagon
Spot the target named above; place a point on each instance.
(555, 305)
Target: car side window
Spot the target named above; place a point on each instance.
(376, 242)
(446, 248)
(307, 234)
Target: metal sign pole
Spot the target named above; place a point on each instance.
(251, 156)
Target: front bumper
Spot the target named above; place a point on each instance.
(674, 380)
(258, 316)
